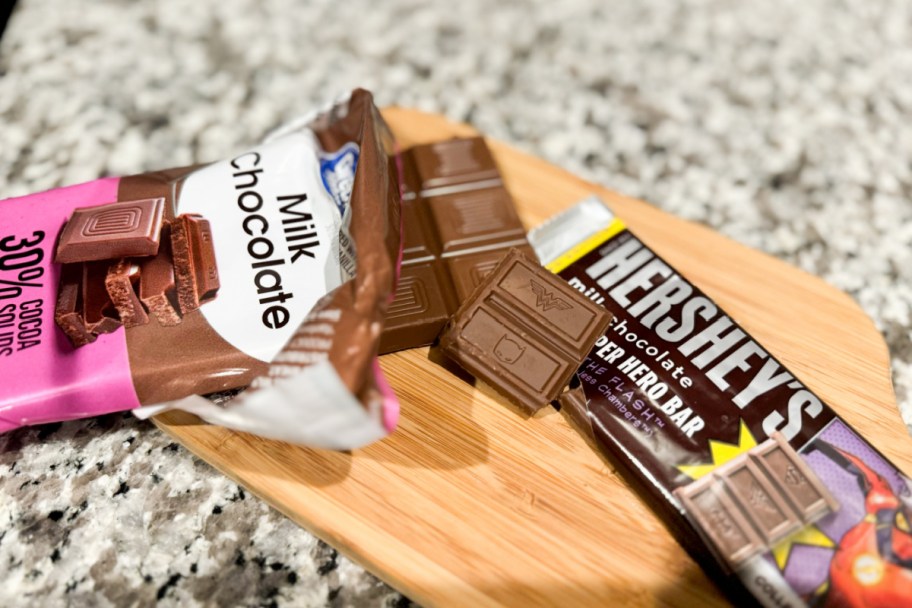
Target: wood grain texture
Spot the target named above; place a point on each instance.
(470, 504)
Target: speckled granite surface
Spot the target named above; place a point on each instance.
(783, 125)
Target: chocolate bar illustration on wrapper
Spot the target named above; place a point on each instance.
(169, 269)
(157, 289)
(195, 271)
(756, 500)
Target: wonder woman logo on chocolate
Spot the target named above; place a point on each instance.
(545, 299)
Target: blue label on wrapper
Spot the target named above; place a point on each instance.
(337, 170)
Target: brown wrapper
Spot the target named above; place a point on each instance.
(343, 328)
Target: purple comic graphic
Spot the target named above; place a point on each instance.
(860, 555)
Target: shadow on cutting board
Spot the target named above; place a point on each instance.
(436, 429)
(687, 586)
(247, 453)
(313, 467)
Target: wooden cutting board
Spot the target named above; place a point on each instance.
(470, 504)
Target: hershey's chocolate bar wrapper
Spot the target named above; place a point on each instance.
(778, 499)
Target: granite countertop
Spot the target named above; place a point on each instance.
(782, 125)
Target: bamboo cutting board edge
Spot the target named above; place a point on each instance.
(468, 503)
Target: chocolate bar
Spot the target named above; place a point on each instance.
(120, 283)
(409, 183)
(524, 331)
(756, 500)
(195, 270)
(111, 231)
(422, 304)
(156, 283)
(451, 239)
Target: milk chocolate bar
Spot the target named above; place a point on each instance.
(294, 219)
(409, 182)
(195, 270)
(452, 237)
(112, 231)
(524, 332)
(756, 500)
(422, 304)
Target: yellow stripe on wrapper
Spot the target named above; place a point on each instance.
(572, 255)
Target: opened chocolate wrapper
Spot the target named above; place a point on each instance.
(269, 270)
(778, 499)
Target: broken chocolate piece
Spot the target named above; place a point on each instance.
(97, 309)
(195, 270)
(156, 283)
(68, 314)
(111, 231)
(524, 331)
(120, 282)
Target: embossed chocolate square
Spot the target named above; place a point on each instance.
(454, 163)
(420, 308)
(469, 221)
(469, 271)
(524, 331)
(112, 231)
